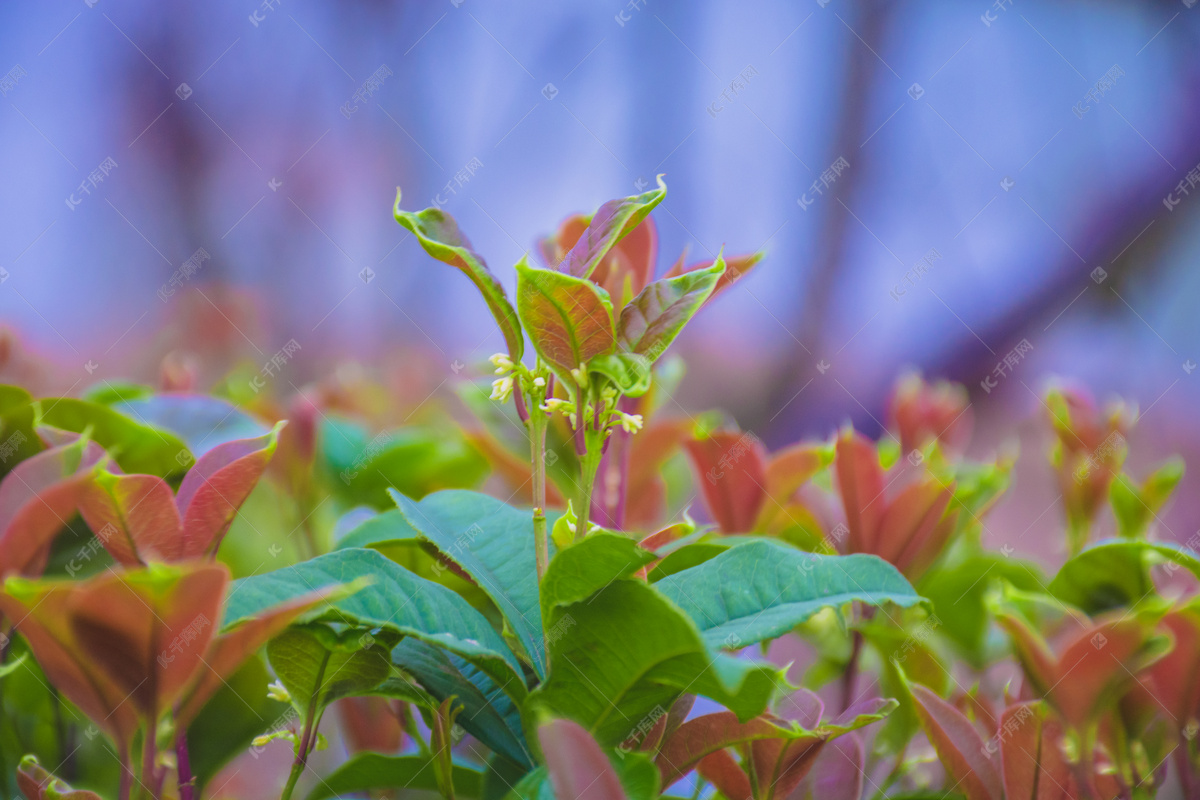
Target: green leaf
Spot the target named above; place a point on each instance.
(17, 416)
(625, 653)
(763, 589)
(493, 543)
(137, 447)
(394, 600)
(487, 713)
(112, 392)
(414, 460)
(11, 666)
(579, 571)
(368, 771)
(688, 556)
(652, 320)
(638, 776)
(319, 669)
(387, 528)
(629, 372)
(569, 319)
(611, 223)
(438, 233)
(1116, 573)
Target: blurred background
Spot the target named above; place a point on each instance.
(940, 186)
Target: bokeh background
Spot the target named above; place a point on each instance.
(1012, 172)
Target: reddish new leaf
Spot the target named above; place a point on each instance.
(735, 268)
(910, 532)
(438, 233)
(1174, 676)
(958, 745)
(837, 774)
(723, 772)
(37, 499)
(860, 480)
(652, 320)
(578, 768)
(700, 737)
(609, 225)
(569, 319)
(133, 516)
(216, 486)
(731, 470)
(1033, 759)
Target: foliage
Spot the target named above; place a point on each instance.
(835, 627)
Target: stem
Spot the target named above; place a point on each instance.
(126, 774)
(537, 453)
(410, 727)
(587, 479)
(301, 759)
(850, 677)
(183, 768)
(149, 755)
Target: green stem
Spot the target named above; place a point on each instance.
(309, 734)
(410, 727)
(588, 464)
(537, 454)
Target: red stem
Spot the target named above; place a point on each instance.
(183, 769)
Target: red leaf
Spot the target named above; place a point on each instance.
(37, 783)
(37, 499)
(735, 268)
(958, 745)
(568, 319)
(699, 738)
(1174, 677)
(907, 530)
(837, 773)
(216, 486)
(611, 222)
(133, 516)
(578, 768)
(723, 772)
(860, 479)
(731, 470)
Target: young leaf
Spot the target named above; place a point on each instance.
(1136, 506)
(395, 599)
(959, 747)
(609, 225)
(763, 589)
(37, 783)
(38, 499)
(629, 372)
(735, 267)
(569, 319)
(133, 516)
(370, 771)
(579, 571)
(652, 320)
(493, 543)
(577, 766)
(438, 233)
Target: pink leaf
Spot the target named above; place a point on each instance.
(578, 768)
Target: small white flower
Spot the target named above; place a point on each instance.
(502, 363)
(632, 423)
(277, 691)
(539, 382)
(557, 404)
(502, 389)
